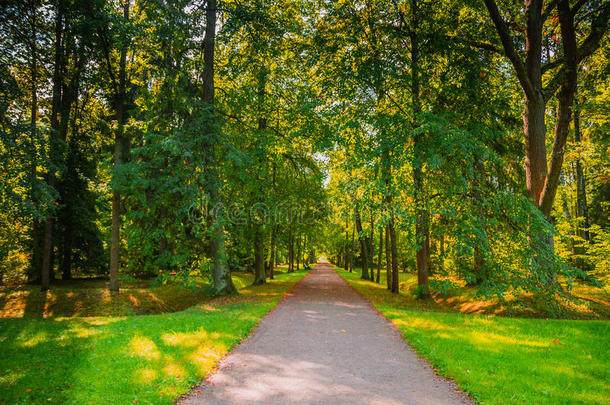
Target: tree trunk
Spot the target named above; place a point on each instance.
(298, 250)
(35, 264)
(54, 121)
(223, 284)
(581, 189)
(271, 264)
(371, 253)
(388, 258)
(363, 246)
(422, 220)
(259, 255)
(351, 252)
(291, 250)
(379, 255)
(394, 252)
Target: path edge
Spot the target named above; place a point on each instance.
(454, 384)
(205, 380)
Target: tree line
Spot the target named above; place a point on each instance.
(451, 137)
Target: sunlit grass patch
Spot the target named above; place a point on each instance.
(502, 360)
(151, 359)
(86, 298)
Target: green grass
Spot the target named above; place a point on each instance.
(145, 359)
(501, 360)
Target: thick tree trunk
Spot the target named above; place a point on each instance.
(223, 284)
(363, 246)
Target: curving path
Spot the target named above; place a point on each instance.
(324, 344)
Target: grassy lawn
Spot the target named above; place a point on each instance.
(90, 297)
(143, 359)
(501, 360)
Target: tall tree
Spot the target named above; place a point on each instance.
(223, 284)
(542, 178)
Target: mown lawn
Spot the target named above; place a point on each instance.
(502, 360)
(135, 359)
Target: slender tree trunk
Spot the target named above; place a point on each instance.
(223, 284)
(394, 251)
(35, 263)
(581, 189)
(120, 146)
(346, 245)
(566, 213)
(363, 246)
(480, 266)
(55, 111)
(259, 255)
(371, 254)
(271, 264)
(298, 250)
(379, 255)
(351, 253)
(388, 258)
(291, 250)
(422, 220)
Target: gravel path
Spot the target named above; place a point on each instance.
(324, 344)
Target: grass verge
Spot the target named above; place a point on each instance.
(90, 297)
(501, 360)
(149, 359)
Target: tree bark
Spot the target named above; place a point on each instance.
(379, 255)
(291, 250)
(542, 182)
(581, 189)
(388, 258)
(54, 121)
(259, 256)
(271, 264)
(223, 284)
(120, 146)
(363, 246)
(351, 252)
(370, 244)
(422, 221)
(35, 264)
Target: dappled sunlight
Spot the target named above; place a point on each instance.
(31, 341)
(565, 361)
(144, 347)
(191, 339)
(146, 376)
(206, 357)
(174, 370)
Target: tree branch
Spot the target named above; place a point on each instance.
(599, 27)
(509, 49)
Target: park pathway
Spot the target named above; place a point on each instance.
(324, 344)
